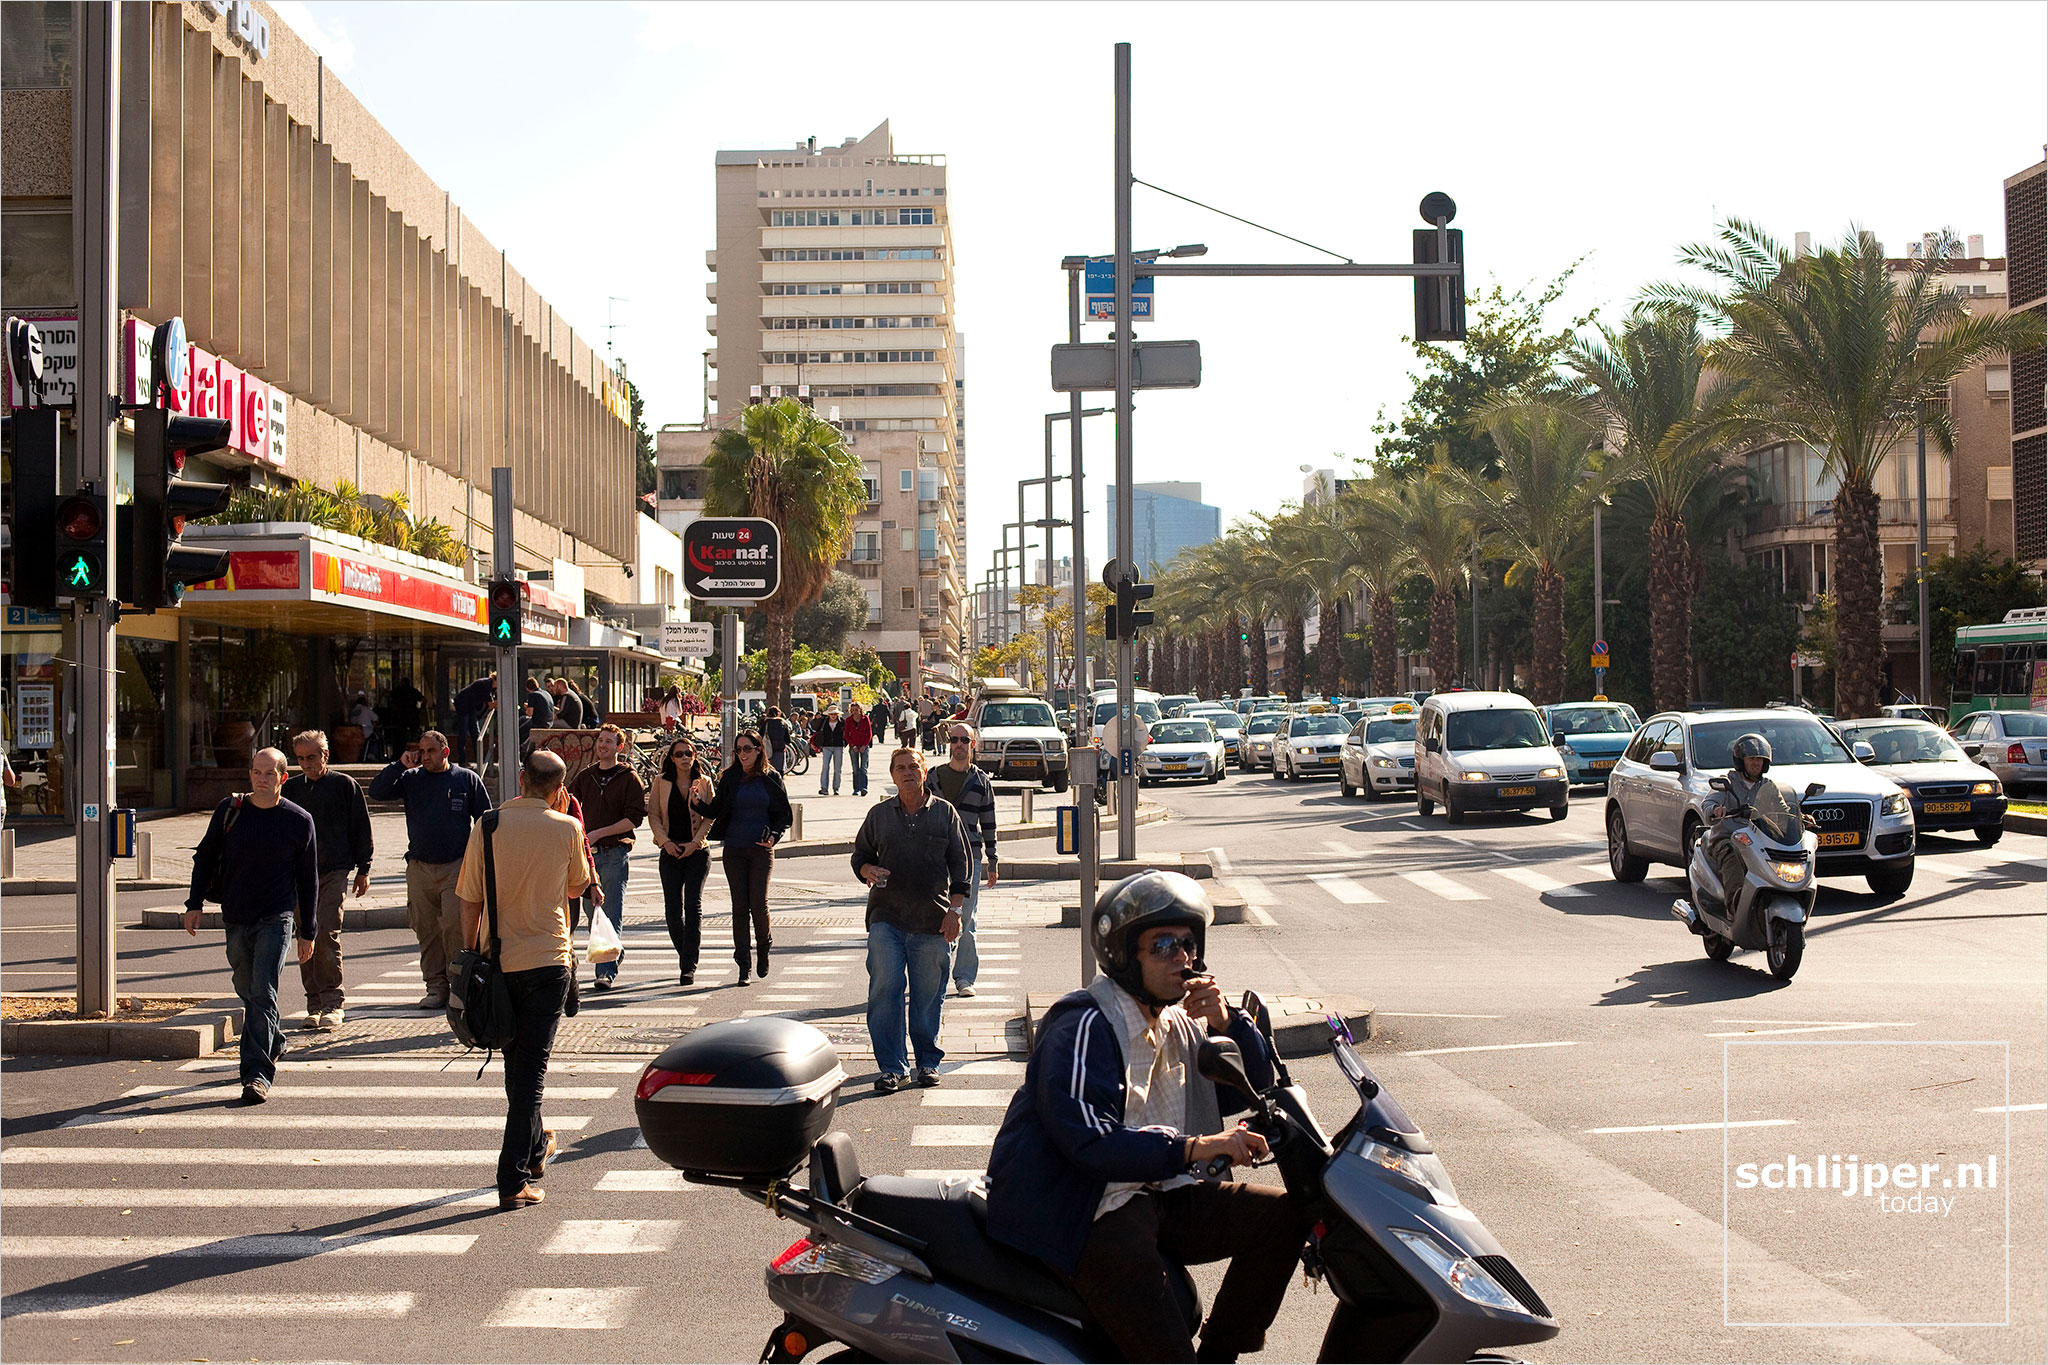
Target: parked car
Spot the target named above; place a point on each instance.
(1018, 739)
(1184, 748)
(1309, 744)
(1228, 725)
(1589, 736)
(1657, 794)
(2013, 744)
(1948, 790)
(1486, 751)
(1255, 750)
(1379, 756)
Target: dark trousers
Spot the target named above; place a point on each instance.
(256, 957)
(538, 997)
(320, 974)
(1122, 1275)
(682, 903)
(746, 872)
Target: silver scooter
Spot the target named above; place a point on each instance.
(891, 1268)
(1768, 911)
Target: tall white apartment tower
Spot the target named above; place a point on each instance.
(834, 282)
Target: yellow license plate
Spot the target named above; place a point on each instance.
(1330, 760)
(1600, 763)
(1176, 767)
(1516, 791)
(1023, 762)
(1947, 808)
(1845, 839)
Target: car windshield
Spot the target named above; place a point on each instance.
(1793, 739)
(1391, 731)
(1222, 720)
(1262, 725)
(1906, 742)
(1591, 720)
(1183, 732)
(1016, 713)
(1317, 725)
(2025, 724)
(1504, 729)
(1148, 711)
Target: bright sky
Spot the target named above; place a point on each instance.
(580, 138)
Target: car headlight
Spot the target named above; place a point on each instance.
(1461, 1273)
(1551, 772)
(1790, 873)
(1897, 804)
(1386, 763)
(1985, 789)
(1479, 777)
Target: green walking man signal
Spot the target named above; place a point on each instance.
(81, 548)
(507, 599)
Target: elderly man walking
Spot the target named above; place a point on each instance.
(441, 803)
(536, 866)
(341, 821)
(259, 861)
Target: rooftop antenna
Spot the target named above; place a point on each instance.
(611, 350)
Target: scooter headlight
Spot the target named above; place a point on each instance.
(1790, 873)
(1421, 1168)
(1461, 1273)
(1898, 803)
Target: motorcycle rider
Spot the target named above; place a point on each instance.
(1095, 1169)
(1749, 759)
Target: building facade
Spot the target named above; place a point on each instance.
(369, 345)
(834, 282)
(1166, 519)
(2026, 244)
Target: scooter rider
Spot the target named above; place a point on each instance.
(1749, 759)
(1094, 1169)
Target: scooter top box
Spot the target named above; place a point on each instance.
(745, 1098)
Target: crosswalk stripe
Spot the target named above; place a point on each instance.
(643, 1182)
(1537, 882)
(15, 1154)
(1253, 890)
(265, 1247)
(932, 1174)
(1436, 883)
(370, 1092)
(992, 1066)
(1345, 889)
(453, 1066)
(175, 1304)
(612, 1236)
(639, 1011)
(381, 1198)
(586, 1309)
(243, 1118)
(952, 1134)
(966, 1099)
(999, 971)
(1597, 869)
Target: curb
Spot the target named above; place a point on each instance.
(1227, 903)
(1300, 1027)
(52, 886)
(361, 917)
(2026, 824)
(1148, 814)
(197, 1032)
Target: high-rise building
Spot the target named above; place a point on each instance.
(1167, 518)
(835, 284)
(2026, 227)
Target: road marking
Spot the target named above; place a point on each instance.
(372, 1092)
(1994, 1109)
(1347, 850)
(1253, 890)
(1597, 869)
(639, 1011)
(944, 1175)
(993, 1066)
(967, 1099)
(1408, 824)
(1691, 1127)
(952, 1134)
(385, 1198)
(833, 969)
(1438, 884)
(243, 1118)
(1810, 1028)
(452, 1065)
(999, 971)
(1537, 882)
(1484, 1047)
(585, 1309)
(1254, 915)
(18, 1155)
(954, 1010)
(612, 1236)
(1345, 889)
(172, 1304)
(1383, 1014)
(278, 1247)
(644, 1182)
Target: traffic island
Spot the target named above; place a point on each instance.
(1301, 1024)
(2025, 822)
(161, 1028)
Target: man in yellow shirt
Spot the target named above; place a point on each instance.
(540, 867)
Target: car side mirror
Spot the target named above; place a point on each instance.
(1974, 750)
(1813, 789)
(1719, 784)
(1219, 1061)
(1433, 745)
(1864, 753)
(1664, 761)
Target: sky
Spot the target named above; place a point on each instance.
(580, 137)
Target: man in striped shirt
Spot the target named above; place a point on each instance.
(970, 792)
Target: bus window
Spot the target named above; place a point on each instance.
(2019, 670)
(1966, 671)
(1990, 670)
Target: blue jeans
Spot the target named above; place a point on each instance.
(860, 771)
(256, 954)
(966, 961)
(905, 967)
(831, 767)
(610, 866)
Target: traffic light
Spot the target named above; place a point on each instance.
(155, 567)
(79, 563)
(507, 597)
(1439, 300)
(1122, 621)
(32, 446)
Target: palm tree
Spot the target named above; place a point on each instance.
(1439, 535)
(1838, 354)
(1274, 582)
(784, 463)
(1649, 381)
(1539, 505)
(1317, 541)
(1376, 558)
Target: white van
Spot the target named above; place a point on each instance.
(1486, 751)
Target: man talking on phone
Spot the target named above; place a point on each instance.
(1100, 1168)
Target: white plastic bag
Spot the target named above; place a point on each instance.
(603, 944)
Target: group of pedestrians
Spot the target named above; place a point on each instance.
(834, 738)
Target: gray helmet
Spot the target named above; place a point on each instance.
(1148, 900)
(1751, 745)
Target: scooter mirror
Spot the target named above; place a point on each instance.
(1813, 789)
(1220, 1061)
(1719, 784)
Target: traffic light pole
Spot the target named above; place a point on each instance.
(96, 134)
(1126, 757)
(1087, 824)
(509, 690)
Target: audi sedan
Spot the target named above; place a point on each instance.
(1657, 794)
(1184, 749)
(1309, 746)
(1948, 790)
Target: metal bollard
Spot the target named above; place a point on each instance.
(796, 828)
(6, 853)
(1027, 794)
(142, 852)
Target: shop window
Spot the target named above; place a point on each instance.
(35, 254)
(35, 45)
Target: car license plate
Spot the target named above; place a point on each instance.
(1600, 764)
(1176, 767)
(1947, 808)
(1331, 760)
(1848, 838)
(1516, 791)
(1023, 762)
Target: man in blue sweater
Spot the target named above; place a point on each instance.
(441, 802)
(1096, 1170)
(264, 851)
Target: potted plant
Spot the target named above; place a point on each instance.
(246, 676)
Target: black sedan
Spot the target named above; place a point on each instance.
(1947, 789)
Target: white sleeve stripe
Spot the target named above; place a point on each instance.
(1076, 1076)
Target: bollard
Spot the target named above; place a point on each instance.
(796, 827)
(142, 855)
(6, 853)
(1028, 793)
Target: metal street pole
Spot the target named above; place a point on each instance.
(1926, 663)
(503, 553)
(1477, 680)
(95, 239)
(729, 686)
(1087, 825)
(1126, 647)
(1599, 602)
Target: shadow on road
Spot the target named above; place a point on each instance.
(1694, 981)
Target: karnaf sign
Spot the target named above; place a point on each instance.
(732, 559)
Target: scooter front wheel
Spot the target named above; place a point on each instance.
(1718, 948)
(1787, 944)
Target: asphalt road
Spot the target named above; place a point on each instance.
(1526, 1004)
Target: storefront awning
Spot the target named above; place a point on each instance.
(310, 582)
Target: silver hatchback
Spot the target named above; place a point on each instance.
(2013, 744)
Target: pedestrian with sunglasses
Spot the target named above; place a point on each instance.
(749, 814)
(973, 795)
(680, 834)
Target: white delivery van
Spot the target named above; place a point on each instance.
(1486, 751)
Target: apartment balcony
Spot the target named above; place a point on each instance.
(711, 261)
(861, 568)
(711, 323)
(711, 292)
(1779, 516)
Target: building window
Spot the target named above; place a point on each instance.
(908, 476)
(908, 539)
(910, 599)
(927, 485)
(35, 47)
(671, 483)
(874, 606)
(35, 253)
(867, 546)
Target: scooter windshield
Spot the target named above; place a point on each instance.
(1776, 815)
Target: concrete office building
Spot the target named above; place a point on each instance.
(1167, 517)
(835, 282)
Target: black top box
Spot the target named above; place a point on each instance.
(745, 1098)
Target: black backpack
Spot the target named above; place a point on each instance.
(480, 1010)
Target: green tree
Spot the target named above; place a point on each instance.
(841, 609)
(1439, 534)
(1377, 557)
(1838, 355)
(782, 462)
(1976, 587)
(1745, 629)
(645, 476)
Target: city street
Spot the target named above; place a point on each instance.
(1559, 1037)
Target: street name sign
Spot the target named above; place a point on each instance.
(686, 639)
(732, 559)
(1100, 287)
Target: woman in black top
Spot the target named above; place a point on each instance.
(679, 838)
(749, 814)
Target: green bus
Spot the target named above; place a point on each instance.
(2002, 666)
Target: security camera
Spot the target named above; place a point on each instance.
(629, 570)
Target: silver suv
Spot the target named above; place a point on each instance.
(1017, 739)
(1657, 794)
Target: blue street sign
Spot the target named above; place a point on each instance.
(1100, 287)
(33, 616)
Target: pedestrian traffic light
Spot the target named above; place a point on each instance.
(31, 438)
(506, 598)
(80, 559)
(154, 567)
(1121, 622)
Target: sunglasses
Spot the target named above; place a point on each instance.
(959, 739)
(1167, 948)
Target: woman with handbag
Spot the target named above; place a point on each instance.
(749, 814)
(680, 834)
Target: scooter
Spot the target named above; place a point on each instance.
(1768, 911)
(892, 1268)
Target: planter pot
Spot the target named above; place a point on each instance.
(348, 743)
(234, 743)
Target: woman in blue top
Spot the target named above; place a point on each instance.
(749, 814)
